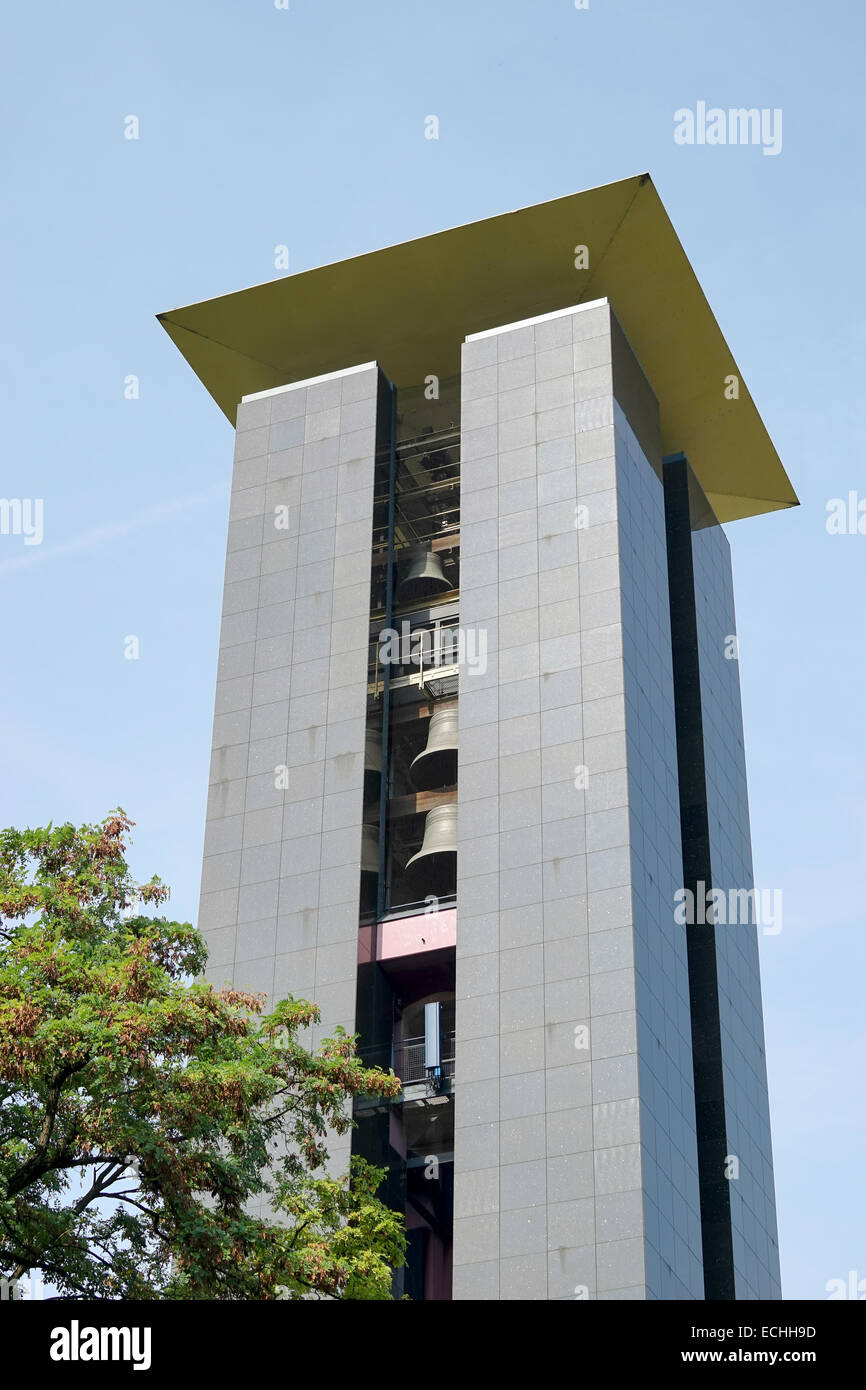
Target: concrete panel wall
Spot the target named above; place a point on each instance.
(280, 880)
(558, 803)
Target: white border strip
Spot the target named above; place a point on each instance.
(308, 381)
(539, 318)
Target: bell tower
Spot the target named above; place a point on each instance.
(476, 730)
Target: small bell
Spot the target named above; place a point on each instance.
(422, 575)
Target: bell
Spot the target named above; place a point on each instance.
(369, 849)
(436, 765)
(435, 864)
(372, 764)
(422, 575)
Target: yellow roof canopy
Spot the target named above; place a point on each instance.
(409, 307)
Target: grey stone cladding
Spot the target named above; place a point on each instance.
(280, 882)
(575, 1158)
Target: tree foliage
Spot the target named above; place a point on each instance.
(146, 1122)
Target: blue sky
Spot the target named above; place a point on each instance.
(305, 127)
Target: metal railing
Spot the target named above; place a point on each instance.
(431, 650)
(409, 1059)
(420, 907)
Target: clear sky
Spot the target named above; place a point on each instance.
(305, 127)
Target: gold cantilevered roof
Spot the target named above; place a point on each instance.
(409, 307)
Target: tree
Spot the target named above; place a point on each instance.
(142, 1114)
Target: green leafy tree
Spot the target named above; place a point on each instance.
(143, 1117)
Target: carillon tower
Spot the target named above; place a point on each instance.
(478, 725)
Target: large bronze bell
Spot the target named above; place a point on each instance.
(421, 575)
(436, 765)
(434, 868)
